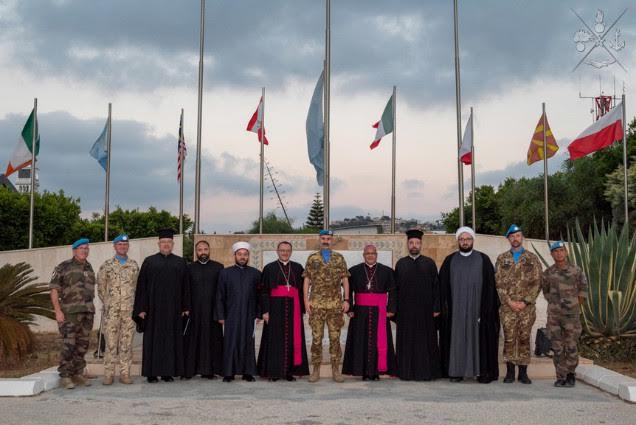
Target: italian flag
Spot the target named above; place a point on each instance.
(22, 154)
(385, 125)
(599, 135)
(466, 149)
(255, 125)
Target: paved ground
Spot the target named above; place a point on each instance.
(354, 402)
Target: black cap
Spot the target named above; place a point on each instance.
(166, 234)
(414, 233)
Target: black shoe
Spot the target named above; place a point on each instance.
(290, 378)
(208, 376)
(510, 373)
(560, 383)
(185, 378)
(375, 378)
(269, 379)
(228, 378)
(484, 380)
(456, 379)
(570, 381)
(152, 379)
(167, 378)
(523, 375)
(366, 378)
(248, 378)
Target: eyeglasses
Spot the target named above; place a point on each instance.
(465, 239)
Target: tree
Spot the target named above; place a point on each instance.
(316, 215)
(615, 193)
(272, 224)
(20, 302)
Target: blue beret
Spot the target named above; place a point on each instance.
(121, 238)
(513, 229)
(77, 243)
(557, 245)
(326, 232)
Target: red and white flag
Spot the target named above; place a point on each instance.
(256, 123)
(466, 149)
(599, 135)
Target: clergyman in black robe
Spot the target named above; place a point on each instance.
(204, 336)
(236, 310)
(369, 350)
(417, 283)
(162, 299)
(469, 325)
(282, 353)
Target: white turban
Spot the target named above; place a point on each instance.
(464, 229)
(240, 245)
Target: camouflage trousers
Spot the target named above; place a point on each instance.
(335, 321)
(119, 331)
(517, 327)
(75, 331)
(564, 331)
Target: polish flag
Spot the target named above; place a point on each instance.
(256, 123)
(599, 135)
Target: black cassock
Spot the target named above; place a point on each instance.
(276, 354)
(204, 336)
(163, 292)
(236, 303)
(417, 348)
(488, 319)
(361, 351)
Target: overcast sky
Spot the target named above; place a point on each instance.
(75, 56)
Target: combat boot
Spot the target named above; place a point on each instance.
(67, 383)
(125, 379)
(523, 375)
(335, 371)
(81, 381)
(570, 380)
(315, 374)
(108, 380)
(560, 383)
(510, 373)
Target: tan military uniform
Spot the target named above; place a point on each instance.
(519, 281)
(326, 303)
(562, 289)
(75, 283)
(116, 285)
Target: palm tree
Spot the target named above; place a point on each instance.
(20, 301)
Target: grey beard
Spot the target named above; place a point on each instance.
(203, 259)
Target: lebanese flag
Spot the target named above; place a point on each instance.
(22, 154)
(385, 125)
(466, 149)
(256, 123)
(599, 135)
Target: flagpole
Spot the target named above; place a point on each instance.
(107, 190)
(34, 138)
(197, 178)
(327, 92)
(182, 162)
(458, 105)
(394, 101)
(625, 160)
(545, 176)
(472, 168)
(262, 171)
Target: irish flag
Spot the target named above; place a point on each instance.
(23, 151)
(599, 135)
(466, 149)
(385, 125)
(256, 123)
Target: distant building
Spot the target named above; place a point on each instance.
(365, 229)
(23, 182)
(5, 182)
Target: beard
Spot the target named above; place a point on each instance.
(466, 249)
(203, 258)
(414, 251)
(241, 262)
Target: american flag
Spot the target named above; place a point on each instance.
(181, 149)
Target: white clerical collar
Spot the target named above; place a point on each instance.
(465, 254)
(284, 263)
(204, 262)
(415, 257)
(371, 265)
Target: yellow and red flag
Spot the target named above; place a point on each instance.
(535, 151)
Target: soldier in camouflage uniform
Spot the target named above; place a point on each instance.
(116, 284)
(518, 278)
(565, 287)
(72, 291)
(325, 274)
